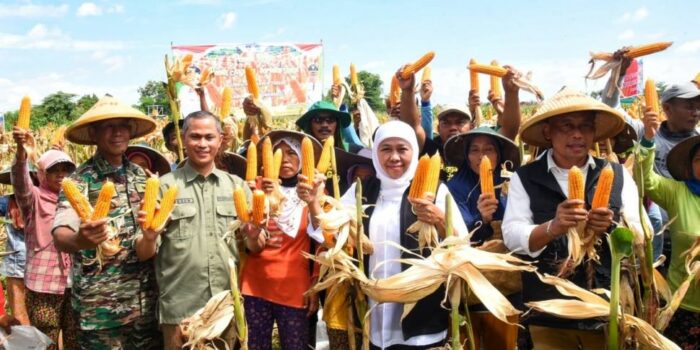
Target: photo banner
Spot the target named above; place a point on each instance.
(633, 83)
(289, 75)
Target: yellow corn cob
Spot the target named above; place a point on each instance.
(431, 183)
(488, 69)
(241, 205)
(252, 82)
(336, 74)
(576, 189)
(394, 92)
(643, 50)
(473, 77)
(254, 139)
(651, 97)
(353, 75)
(324, 161)
(426, 74)
(186, 61)
(417, 65)
(25, 111)
(486, 176)
(258, 206)
(226, 103)
(307, 160)
(76, 199)
(496, 82)
(104, 200)
(204, 76)
(276, 164)
(59, 136)
(251, 171)
(149, 199)
(167, 203)
(267, 161)
(601, 198)
(420, 178)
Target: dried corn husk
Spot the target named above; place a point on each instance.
(339, 220)
(590, 305)
(209, 322)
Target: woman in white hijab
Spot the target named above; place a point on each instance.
(395, 158)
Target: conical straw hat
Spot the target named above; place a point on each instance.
(608, 122)
(106, 108)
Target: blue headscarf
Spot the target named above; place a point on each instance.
(692, 183)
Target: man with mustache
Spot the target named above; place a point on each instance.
(323, 120)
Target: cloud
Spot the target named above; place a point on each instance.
(88, 9)
(199, 2)
(227, 20)
(41, 37)
(117, 8)
(626, 35)
(692, 46)
(636, 16)
(30, 10)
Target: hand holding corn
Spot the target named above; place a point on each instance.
(569, 213)
(427, 211)
(92, 233)
(20, 135)
(487, 205)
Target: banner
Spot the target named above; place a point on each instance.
(633, 83)
(289, 76)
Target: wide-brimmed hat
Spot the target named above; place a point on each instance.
(5, 177)
(697, 79)
(678, 161)
(323, 106)
(348, 160)
(276, 135)
(456, 147)
(159, 164)
(107, 108)
(454, 109)
(608, 122)
(229, 162)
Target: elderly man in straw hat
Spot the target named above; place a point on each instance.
(539, 214)
(193, 249)
(114, 296)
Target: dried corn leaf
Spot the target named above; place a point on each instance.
(209, 322)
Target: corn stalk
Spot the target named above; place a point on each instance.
(361, 302)
(620, 247)
(172, 72)
(238, 310)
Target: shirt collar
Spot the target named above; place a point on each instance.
(191, 174)
(103, 167)
(551, 164)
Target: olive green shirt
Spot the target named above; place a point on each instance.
(193, 252)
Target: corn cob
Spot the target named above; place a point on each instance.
(651, 97)
(76, 199)
(59, 136)
(353, 75)
(486, 176)
(420, 178)
(394, 92)
(601, 198)
(186, 61)
(276, 164)
(431, 183)
(324, 161)
(239, 201)
(167, 203)
(473, 77)
(496, 82)
(204, 77)
(488, 69)
(226, 103)
(254, 139)
(251, 171)
(25, 111)
(417, 65)
(252, 82)
(267, 161)
(648, 49)
(336, 75)
(576, 189)
(258, 206)
(149, 199)
(307, 160)
(104, 200)
(426, 74)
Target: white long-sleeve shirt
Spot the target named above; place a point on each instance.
(518, 221)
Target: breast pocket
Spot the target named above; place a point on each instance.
(182, 222)
(225, 214)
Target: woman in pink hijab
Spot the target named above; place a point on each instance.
(47, 270)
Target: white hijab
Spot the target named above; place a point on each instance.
(290, 216)
(392, 188)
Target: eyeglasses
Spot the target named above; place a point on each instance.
(319, 119)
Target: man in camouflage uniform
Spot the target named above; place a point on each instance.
(114, 296)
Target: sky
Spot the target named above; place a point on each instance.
(111, 46)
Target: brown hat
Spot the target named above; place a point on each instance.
(678, 161)
(159, 164)
(608, 122)
(229, 162)
(107, 108)
(456, 147)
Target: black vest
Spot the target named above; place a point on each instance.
(545, 195)
(428, 316)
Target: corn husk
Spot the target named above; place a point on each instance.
(590, 305)
(340, 221)
(209, 322)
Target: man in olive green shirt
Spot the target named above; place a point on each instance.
(192, 251)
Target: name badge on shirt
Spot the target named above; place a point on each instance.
(224, 198)
(184, 201)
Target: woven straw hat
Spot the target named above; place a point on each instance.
(608, 122)
(159, 164)
(456, 147)
(107, 108)
(678, 161)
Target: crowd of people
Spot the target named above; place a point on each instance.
(137, 297)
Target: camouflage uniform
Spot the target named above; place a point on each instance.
(115, 304)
